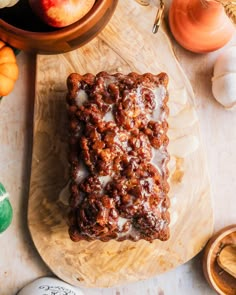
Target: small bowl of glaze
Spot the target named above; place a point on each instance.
(219, 279)
(20, 28)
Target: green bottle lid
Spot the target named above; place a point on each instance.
(6, 211)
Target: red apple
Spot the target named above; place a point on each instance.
(61, 13)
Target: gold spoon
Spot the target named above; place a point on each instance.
(159, 17)
(143, 2)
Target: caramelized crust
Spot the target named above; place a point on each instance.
(118, 156)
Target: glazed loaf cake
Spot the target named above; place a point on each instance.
(118, 157)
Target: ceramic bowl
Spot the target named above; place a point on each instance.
(20, 28)
(49, 286)
(221, 281)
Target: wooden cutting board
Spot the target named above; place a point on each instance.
(126, 44)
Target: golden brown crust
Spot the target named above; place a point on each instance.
(133, 202)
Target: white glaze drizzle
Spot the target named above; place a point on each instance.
(81, 98)
(158, 155)
(82, 172)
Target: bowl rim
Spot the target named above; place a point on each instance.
(95, 10)
(213, 242)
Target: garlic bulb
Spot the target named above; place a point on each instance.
(224, 78)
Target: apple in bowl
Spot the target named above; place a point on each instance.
(60, 13)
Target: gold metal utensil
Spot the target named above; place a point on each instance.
(143, 2)
(159, 17)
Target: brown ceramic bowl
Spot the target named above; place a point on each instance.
(20, 28)
(221, 281)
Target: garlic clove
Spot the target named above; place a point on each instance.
(224, 78)
(226, 62)
(224, 90)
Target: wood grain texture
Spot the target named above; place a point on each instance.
(218, 278)
(120, 47)
(227, 259)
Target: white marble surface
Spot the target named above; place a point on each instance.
(20, 262)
